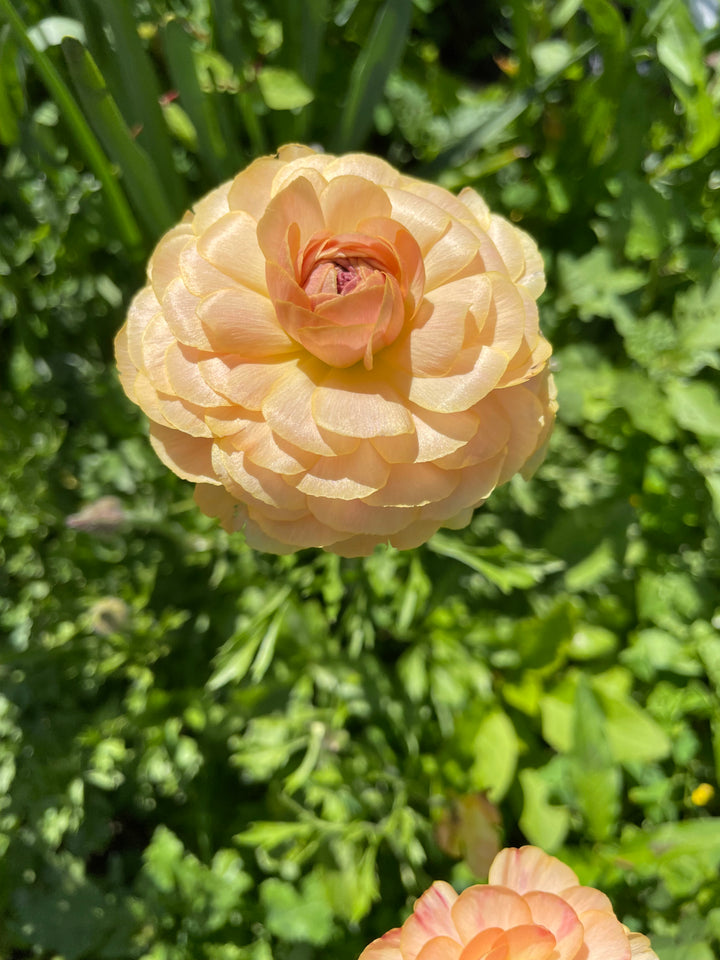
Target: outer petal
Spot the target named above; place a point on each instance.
(431, 918)
(480, 907)
(386, 947)
(529, 868)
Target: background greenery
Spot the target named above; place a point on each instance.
(206, 752)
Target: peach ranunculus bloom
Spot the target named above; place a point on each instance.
(339, 355)
(532, 908)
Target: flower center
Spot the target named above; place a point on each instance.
(339, 276)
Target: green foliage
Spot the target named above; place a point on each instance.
(208, 752)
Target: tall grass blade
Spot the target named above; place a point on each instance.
(125, 223)
(201, 107)
(374, 64)
(143, 90)
(144, 186)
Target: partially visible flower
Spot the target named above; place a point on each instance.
(532, 908)
(103, 516)
(339, 355)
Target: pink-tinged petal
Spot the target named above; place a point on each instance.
(640, 948)
(410, 272)
(185, 381)
(346, 199)
(251, 189)
(480, 907)
(296, 204)
(441, 948)
(287, 407)
(463, 390)
(360, 406)
(180, 311)
(551, 911)
(240, 321)
(210, 208)
(582, 899)
(163, 264)
(355, 516)
(231, 245)
(386, 947)
(198, 274)
(529, 868)
(246, 384)
(345, 478)
(414, 484)
(605, 937)
(430, 919)
(362, 165)
(188, 457)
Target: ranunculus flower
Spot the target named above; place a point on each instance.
(532, 908)
(339, 355)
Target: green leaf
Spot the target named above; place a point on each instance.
(695, 407)
(632, 734)
(293, 915)
(496, 751)
(543, 823)
(283, 89)
(596, 779)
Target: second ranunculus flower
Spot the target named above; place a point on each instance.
(339, 355)
(532, 908)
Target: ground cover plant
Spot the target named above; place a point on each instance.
(211, 752)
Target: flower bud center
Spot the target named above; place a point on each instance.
(339, 276)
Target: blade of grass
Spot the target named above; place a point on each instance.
(199, 106)
(306, 25)
(9, 130)
(127, 227)
(143, 90)
(233, 44)
(144, 186)
(375, 62)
